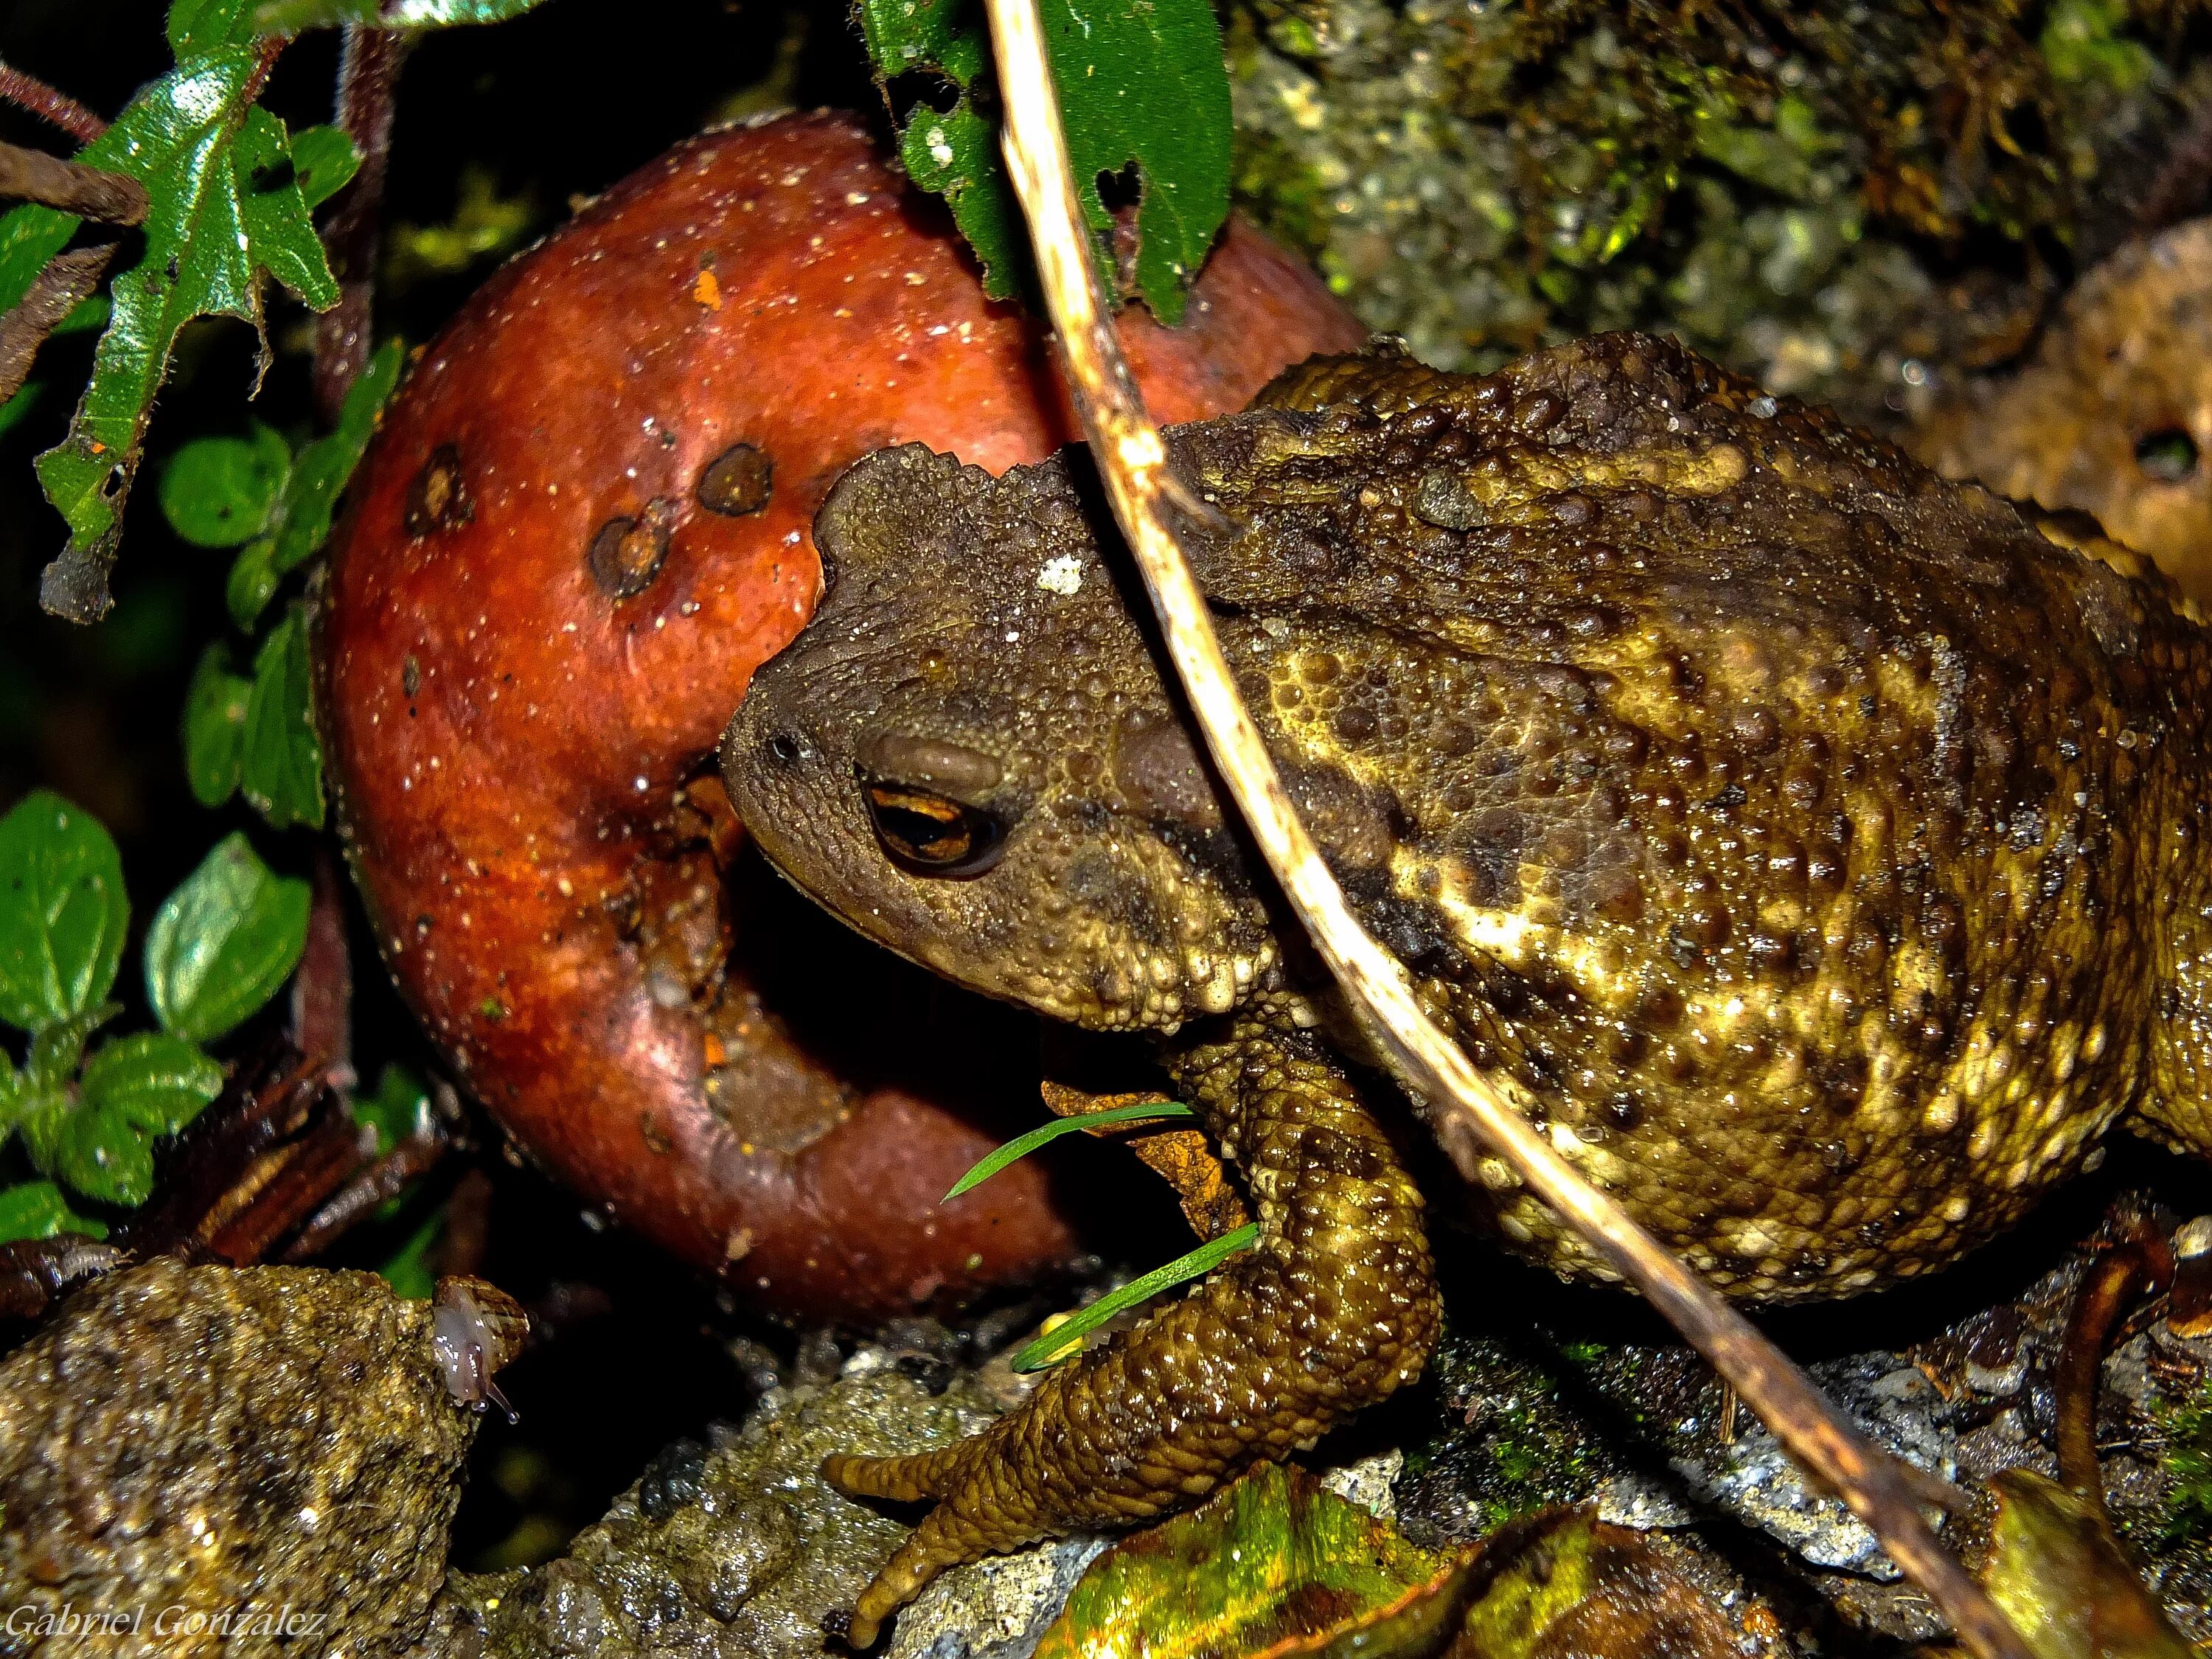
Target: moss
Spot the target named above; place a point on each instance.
(2186, 1425)
(1789, 189)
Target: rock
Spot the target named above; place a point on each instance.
(208, 1458)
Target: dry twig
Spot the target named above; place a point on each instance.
(1470, 1113)
(369, 73)
(54, 181)
(66, 281)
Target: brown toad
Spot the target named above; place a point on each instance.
(1813, 847)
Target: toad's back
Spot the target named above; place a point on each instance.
(1801, 832)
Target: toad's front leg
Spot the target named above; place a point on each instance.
(1332, 1309)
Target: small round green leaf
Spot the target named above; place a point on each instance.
(281, 766)
(223, 942)
(325, 160)
(253, 582)
(218, 492)
(153, 1082)
(62, 912)
(215, 725)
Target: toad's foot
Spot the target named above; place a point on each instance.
(1332, 1309)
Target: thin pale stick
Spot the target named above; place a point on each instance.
(1469, 1114)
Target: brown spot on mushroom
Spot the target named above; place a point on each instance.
(737, 482)
(439, 498)
(628, 553)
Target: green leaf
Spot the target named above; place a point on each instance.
(36, 1209)
(320, 475)
(62, 912)
(196, 26)
(215, 725)
(294, 17)
(1022, 1146)
(253, 582)
(956, 155)
(102, 1143)
(226, 207)
(399, 1110)
(1142, 82)
(2063, 1580)
(1274, 1565)
(219, 492)
(56, 1049)
(1053, 1345)
(223, 942)
(281, 767)
(326, 159)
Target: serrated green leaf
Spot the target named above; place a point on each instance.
(275, 211)
(295, 16)
(226, 206)
(101, 1142)
(155, 1081)
(55, 1050)
(36, 1209)
(63, 912)
(956, 155)
(215, 725)
(399, 1110)
(223, 944)
(281, 766)
(1142, 82)
(325, 158)
(253, 582)
(197, 26)
(219, 492)
(1022, 1146)
(1058, 1342)
(325, 466)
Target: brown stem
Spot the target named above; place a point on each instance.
(65, 281)
(1470, 1112)
(322, 989)
(54, 181)
(49, 104)
(358, 1199)
(369, 70)
(2140, 1265)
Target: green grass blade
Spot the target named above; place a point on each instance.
(1048, 1349)
(1022, 1146)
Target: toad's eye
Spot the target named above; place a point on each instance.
(930, 834)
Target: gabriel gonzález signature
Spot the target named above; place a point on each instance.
(29, 1618)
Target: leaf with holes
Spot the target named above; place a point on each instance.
(223, 942)
(281, 763)
(101, 1142)
(1142, 86)
(36, 1209)
(226, 209)
(62, 912)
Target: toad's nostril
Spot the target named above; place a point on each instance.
(784, 748)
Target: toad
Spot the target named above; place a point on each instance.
(1812, 848)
